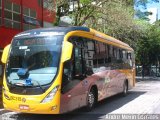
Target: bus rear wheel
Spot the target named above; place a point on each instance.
(91, 100)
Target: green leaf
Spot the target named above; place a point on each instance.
(85, 1)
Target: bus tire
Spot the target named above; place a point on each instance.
(125, 89)
(91, 99)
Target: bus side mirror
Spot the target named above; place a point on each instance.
(67, 51)
(5, 54)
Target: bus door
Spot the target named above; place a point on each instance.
(73, 86)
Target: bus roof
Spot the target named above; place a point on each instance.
(65, 30)
(110, 39)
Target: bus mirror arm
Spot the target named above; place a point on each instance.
(67, 51)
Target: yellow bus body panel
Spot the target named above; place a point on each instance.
(5, 54)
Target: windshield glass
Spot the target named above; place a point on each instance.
(34, 61)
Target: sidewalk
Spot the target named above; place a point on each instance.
(148, 101)
(147, 78)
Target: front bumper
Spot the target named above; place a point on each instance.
(31, 104)
(32, 108)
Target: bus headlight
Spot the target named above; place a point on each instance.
(51, 95)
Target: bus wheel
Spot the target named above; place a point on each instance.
(91, 100)
(125, 89)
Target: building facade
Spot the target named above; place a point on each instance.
(154, 16)
(20, 15)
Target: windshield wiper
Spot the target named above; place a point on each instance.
(24, 85)
(13, 86)
(39, 85)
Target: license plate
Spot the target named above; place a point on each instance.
(24, 107)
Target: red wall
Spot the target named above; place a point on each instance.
(33, 4)
(6, 35)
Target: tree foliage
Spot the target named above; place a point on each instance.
(116, 18)
(113, 17)
(148, 47)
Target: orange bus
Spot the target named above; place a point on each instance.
(56, 70)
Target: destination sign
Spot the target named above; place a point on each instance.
(37, 41)
(34, 41)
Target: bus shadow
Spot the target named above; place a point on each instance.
(102, 108)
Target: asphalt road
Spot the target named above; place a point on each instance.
(144, 98)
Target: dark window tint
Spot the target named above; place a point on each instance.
(26, 11)
(7, 5)
(33, 13)
(8, 14)
(0, 12)
(16, 17)
(16, 25)
(16, 8)
(40, 2)
(7, 23)
(97, 56)
(0, 16)
(78, 61)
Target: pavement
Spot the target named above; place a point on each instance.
(146, 78)
(147, 103)
(141, 103)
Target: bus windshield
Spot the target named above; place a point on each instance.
(33, 61)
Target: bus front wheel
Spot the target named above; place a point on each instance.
(91, 99)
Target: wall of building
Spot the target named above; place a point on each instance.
(154, 16)
(37, 6)
(21, 15)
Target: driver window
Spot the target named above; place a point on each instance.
(78, 64)
(77, 61)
